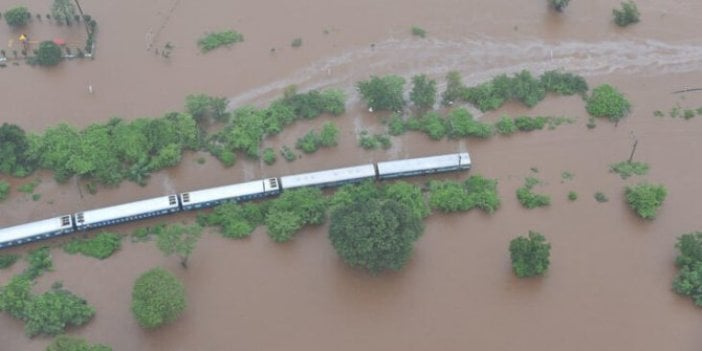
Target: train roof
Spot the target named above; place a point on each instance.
(28, 230)
(328, 176)
(461, 160)
(229, 191)
(126, 210)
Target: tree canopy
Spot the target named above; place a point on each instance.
(178, 239)
(383, 93)
(628, 14)
(645, 199)
(49, 54)
(530, 255)
(158, 298)
(17, 16)
(423, 93)
(375, 235)
(63, 10)
(607, 101)
(14, 145)
(688, 281)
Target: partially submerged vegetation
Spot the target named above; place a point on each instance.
(69, 343)
(474, 192)
(688, 281)
(645, 199)
(158, 298)
(530, 199)
(628, 14)
(530, 255)
(7, 260)
(101, 246)
(213, 40)
(626, 169)
(607, 101)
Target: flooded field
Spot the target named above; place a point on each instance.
(609, 282)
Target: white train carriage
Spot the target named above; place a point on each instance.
(423, 165)
(329, 178)
(236, 192)
(127, 212)
(24, 233)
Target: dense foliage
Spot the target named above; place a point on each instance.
(383, 93)
(49, 54)
(234, 220)
(530, 255)
(418, 32)
(530, 199)
(158, 298)
(17, 16)
(645, 199)
(628, 14)
(101, 246)
(39, 261)
(7, 260)
(607, 101)
(293, 210)
(688, 281)
(626, 169)
(211, 41)
(423, 93)
(563, 83)
(505, 126)
(63, 10)
(475, 192)
(69, 343)
(312, 141)
(14, 147)
(4, 189)
(202, 107)
(178, 239)
(559, 5)
(375, 235)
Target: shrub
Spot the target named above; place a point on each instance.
(28, 188)
(460, 123)
(288, 154)
(607, 101)
(17, 16)
(201, 107)
(396, 125)
(211, 41)
(475, 192)
(329, 135)
(4, 189)
(528, 198)
(69, 343)
(688, 281)
(418, 32)
(505, 126)
(482, 193)
(269, 156)
(383, 93)
(455, 90)
(39, 262)
(309, 143)
(49, 54)
(296, 43)
(158, 298)
(293, 210)
(572, 196)
(645, 199)
(530, 255)
(407, 194)
(601, 197)
(434, 126)
(558, 5)
(626, 169)
(527, 124)
(423, 93)
(235, 221)
(7, 260)
(53, 311)
(367, 141)
(563, 83)
(627, 15)
(101, 246)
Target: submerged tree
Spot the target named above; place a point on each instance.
(49, 54)
(530, 255)
(628, 14)
(559, 5)
(383, 93)
(63, 10)
(158, 298)
(423, 93)
(179, 240)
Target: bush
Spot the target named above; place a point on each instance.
(367, 141)
(4, 189)
(269, 156)
(475, 192)
(418, 32)
(396, 125)
(329, 135)
(39, 262)
(383, 93)
(293, 210)
(211, 41)
(53, 311)
(528, 198)
(626, 169)
(49, 54)
(455, 90)
(296, 43)
(69, 343)
(527, 124)
(14, 148)
(558, 5)
(530, 255)
(101, 246)
(423, 93)
(407, 194)
(601, 197)
(460, 123)
(308, 143)
(235, 221)
(17, 16)
(7, 260)
(288, 154)
(563, 83)
(688, 281)
(627, 15)
(572, 196)
(434, 125)
(607, 101)
(505, 126)
(158, 298)
(201, 107)
(645, 199)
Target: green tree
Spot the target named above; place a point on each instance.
(455, 90)
(69, 343)
(101, 246)
(51, 312)
(14, 148)
(645, 199)
(202, 107)
(423, 93)
(4, 189)
(179, 240)
(17, 16)
(329, 135)
(530, 255)
(375, 235)
(15, 296)
(688, 281)
(607, 101)
(63, 10)
(158, 298)
(383, 93)
(628, 14)
(293, 210)
(49, 54)
(559, 5)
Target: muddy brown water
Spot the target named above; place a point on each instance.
(609, 283)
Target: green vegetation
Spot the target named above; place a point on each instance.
(234, 220)
(39, 261)
(293, 210)
(17, 16)
(628, 14)
(460, 124)
(311, 142)
(423, 93)
(383, 93)
(4, 189)
(530, 255)
(53, 311)
(396, 125)
(49, 54)
(36, 197)
(505, 126)
(288, 154)
(178, 239)
(565, 176)
(101, 246)
(558, 5)
(63, 11)
(202, 107)
(28, 188)
(269, 156)
(69, 343)
(14, 147)
(7, 260)
(158, 298)
(607, 101)
(475, 192)
(572, 196)
(626, 169)
(601, 197)
(296, 43)
(376, 235)
(688, 281)
(211, 41)
(418, 32)
(528, 198)
(375, 141)
(527, 124)
(645, 199)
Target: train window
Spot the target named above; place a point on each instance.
(273, 182)
(172, 200)
(65, 220)
(186, 197)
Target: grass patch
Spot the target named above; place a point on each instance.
(101, 246)
(419, 32)
(7, 260)
(626, 169)
(211, 41)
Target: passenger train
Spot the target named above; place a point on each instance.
(53, 227)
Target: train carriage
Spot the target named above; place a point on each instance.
(235, 192)
(423, 165)
(329, 178)
(28, 232)
(127, 212)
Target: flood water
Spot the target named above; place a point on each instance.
(609, 283)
